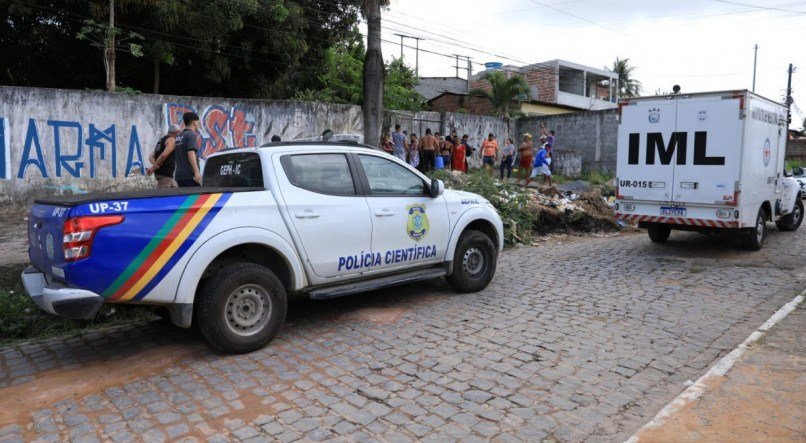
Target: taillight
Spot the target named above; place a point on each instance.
(80, 231)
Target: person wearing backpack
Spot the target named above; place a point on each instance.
(162, 159)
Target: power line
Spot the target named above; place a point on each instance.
(579, 18)
(762, 8)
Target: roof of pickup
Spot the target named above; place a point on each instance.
(80, 199)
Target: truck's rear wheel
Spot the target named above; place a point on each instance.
(659, 232)
(793, 220)
(754, 239)
(473, 262)
(241, 308)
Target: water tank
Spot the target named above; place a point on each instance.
(493, 65)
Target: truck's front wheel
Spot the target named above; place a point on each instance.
(792, 220)
(241, 308)
(659, 232)
(473, 262)
(754, 239)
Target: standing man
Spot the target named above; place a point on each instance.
(489, 152)
(549, 141)
(507, 157)
(187, 163)
(428, 147)
(399, 142)
(162, 159)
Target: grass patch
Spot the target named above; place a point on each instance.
(791, 164)
(21, 319)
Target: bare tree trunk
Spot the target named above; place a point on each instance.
(372, 105)
(109, 53)
(156, 74)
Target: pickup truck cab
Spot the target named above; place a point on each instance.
(318, 219)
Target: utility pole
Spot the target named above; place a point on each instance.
(401, 43)
(469, 67)
(417, 57)
(790, 71)
(755, 58)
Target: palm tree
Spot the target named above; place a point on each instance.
(627, 86)
(372, 104)
(504, 92)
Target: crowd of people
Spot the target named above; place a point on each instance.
(450, 152)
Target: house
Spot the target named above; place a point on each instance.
(453, 102)
(562, 83)
(430, 87)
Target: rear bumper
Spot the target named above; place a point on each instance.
(71, 303)
(682, 221)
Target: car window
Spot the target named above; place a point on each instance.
(322, 173)
(241, 170)
(386, 177)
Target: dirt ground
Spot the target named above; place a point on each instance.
(760, 399)
(13, 240)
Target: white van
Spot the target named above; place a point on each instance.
(705, 162)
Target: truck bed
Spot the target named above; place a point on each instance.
(79, 199)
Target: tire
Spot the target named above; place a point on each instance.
(241, 308)
(659, 232)
(792, 221)
(473, 262)
(754, 239)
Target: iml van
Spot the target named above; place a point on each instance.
(705, 162)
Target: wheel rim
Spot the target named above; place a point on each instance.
(248, 309)
(473, 261)
(760, 228)
(796, 214)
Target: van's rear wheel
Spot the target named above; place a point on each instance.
(754, 239)
(659, 232)
(241, 308)
(473, 262)
(793, 220)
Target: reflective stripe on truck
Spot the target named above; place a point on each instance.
(678, 220)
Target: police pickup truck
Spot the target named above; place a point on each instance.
(316, 218)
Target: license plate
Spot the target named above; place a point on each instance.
(672, 210)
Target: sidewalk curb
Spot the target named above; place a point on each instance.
(693, 392)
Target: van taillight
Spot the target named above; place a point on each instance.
(80, 231)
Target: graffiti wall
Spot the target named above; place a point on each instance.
(64, 141)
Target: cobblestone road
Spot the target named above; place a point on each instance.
(583, 341)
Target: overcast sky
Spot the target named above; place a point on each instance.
(699, 44)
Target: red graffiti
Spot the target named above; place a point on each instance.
(215, 122)
(220, 127)
(241, 129)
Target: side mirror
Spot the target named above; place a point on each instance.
(797, 170)
(437, 188)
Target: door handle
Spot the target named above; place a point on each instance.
(384, 213)
(307, 214)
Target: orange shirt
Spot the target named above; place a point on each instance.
(489, 147)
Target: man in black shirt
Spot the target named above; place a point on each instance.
(187, 165)
(162, 159)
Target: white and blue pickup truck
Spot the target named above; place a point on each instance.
(316, 218)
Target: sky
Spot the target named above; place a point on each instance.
(701, 45)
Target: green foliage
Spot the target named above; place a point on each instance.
(597, 178)
(99, 35)
(791, 164)
(504, 93)
(627, 85)
(398, 91)
(509, 200)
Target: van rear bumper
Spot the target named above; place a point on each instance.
(76, 304)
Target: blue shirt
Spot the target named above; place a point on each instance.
(540, 158)
(399, 141)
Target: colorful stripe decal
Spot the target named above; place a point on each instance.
(165, 249)
(679, 220)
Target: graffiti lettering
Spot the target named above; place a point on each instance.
(96, 141)
(220, 127)
(63, 159)
(31, 136)
(5, 150)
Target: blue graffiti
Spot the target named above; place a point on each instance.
(5, 153)
(71, 163)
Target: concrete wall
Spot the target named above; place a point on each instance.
(796, 150)
(54, 141)
(592, 134)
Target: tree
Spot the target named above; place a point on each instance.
(372, 105)
(503, 93)
(627, 85)
(398, 90)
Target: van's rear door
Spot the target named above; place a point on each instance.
(713, 128)
(645, 157)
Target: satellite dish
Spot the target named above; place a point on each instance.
(676, 89)
(327, 135)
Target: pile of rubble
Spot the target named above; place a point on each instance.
(555, 212)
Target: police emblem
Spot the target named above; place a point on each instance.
(767, 152)
(417, 225)
(654, 115)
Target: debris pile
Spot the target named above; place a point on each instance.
(555, 212)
